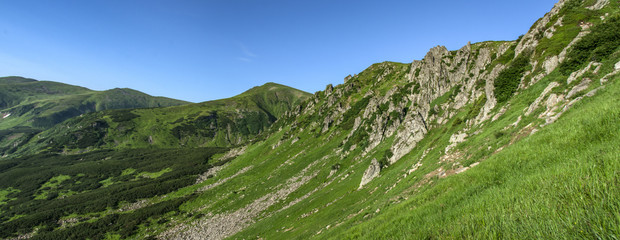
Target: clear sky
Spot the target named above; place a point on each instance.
(204, 50)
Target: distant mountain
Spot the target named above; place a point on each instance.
(15, 79)
(225, 122)
(16, 91)
(28, 106)
(42, 104)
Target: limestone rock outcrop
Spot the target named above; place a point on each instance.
(372, 172)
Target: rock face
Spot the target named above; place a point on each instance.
(599, 5)
(433, 90)
(455, 139)
(530, 39)
(576, 75)
(583, 85)
(370, 173)
(551, 63)
(540, 98)
(413, 130)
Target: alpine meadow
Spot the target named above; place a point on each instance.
(496, 140)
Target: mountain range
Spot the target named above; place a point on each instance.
(28, 106)
(498, 139)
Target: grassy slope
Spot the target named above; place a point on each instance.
(15, 90)
(533, 189)
(41, 104)
(562, 181)
(223, 122)
(28, 106)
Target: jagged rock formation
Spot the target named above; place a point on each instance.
(414, 106)
(370, 173)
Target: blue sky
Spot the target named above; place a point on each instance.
(206, 50)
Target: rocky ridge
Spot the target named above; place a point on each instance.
(379, 116)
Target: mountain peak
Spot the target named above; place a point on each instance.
(271, 87)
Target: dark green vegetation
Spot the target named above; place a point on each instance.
(353, 112)
(97, 187)
(399, 151)
(105, 192)
(508, 80)
(596, 46)
(11, 139)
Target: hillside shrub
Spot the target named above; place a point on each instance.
(508, 80)
(476, 107)
(603, 40)
(350, 115)
(122, 115)
(87, 171)
(384, 161)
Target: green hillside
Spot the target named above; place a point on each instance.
(221, 123)
(28, 106)
(496, 140)
(42, 104)
(17, 90)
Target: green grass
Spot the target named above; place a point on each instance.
(561, 182)
(153, 174)
(106, 182)
(128, 171)
(603, 40)
(50, 185)
(448, 96)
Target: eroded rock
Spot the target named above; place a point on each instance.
(540, 98)
(600, 4)
(583, 85)
(370, 173)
